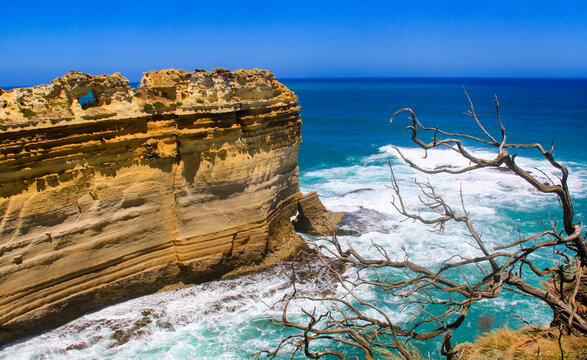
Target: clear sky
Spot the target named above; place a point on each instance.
(43, 40)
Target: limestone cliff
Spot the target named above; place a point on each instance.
(184, 179)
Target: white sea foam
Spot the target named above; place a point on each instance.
(208, 321)
(222, 319)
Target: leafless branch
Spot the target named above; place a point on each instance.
(441, 297)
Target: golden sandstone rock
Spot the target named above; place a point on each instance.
(184, 179)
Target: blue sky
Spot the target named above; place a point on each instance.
(43, 40)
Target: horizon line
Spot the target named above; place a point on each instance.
(439, 77)
(9, 87)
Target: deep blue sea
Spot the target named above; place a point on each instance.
(346, 147)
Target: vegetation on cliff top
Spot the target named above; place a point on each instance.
(505, 344)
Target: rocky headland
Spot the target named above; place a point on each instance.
(184, 179)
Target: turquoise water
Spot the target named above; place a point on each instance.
(346, 138)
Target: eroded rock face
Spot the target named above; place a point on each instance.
(184, 179)
(163, 91)
(313, 218)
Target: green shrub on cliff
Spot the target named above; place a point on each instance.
(28, 113)
(62, 104)
(148, 108)
(158, 105)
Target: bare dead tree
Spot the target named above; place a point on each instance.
(442, 296)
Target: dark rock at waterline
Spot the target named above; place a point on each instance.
(358, 191)
(363, 221)
(313, 218)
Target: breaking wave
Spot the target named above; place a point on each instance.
(225, 319)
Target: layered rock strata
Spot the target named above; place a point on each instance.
(184, 179)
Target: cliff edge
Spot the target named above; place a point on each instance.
(183, 179)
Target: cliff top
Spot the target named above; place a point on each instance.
(164, 91)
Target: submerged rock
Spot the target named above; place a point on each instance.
(358, 191)
(363, 221)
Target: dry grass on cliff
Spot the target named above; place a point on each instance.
(507, 344)
(526, 343)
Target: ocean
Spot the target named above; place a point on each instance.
(344, 156)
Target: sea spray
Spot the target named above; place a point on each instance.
(344, 157)
(219, 319)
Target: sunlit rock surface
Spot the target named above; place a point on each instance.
(184, 179)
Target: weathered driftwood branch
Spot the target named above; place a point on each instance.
(443, 295)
